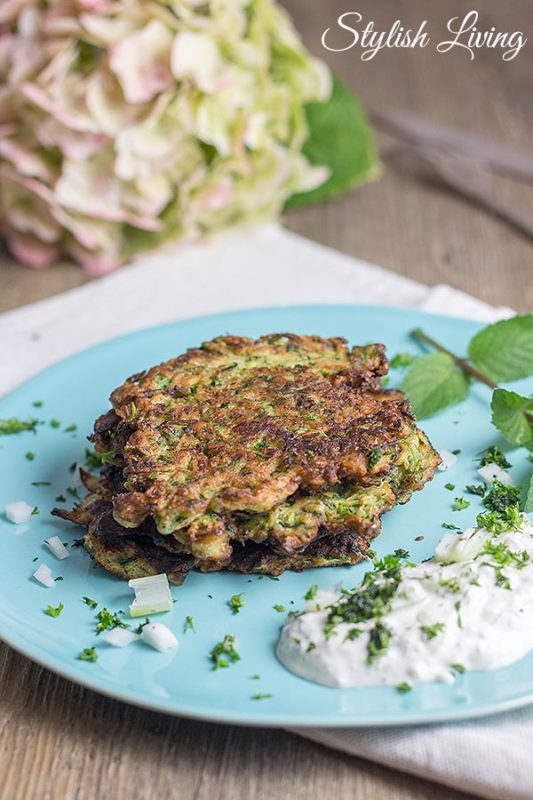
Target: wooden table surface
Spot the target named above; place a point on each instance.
(61, 741)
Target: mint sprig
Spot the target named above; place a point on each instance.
(504, 351)
(512, 414)
(499, 352)
(433, 383)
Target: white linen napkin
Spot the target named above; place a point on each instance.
(268, 266)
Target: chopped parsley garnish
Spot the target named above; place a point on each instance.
(255, 677)
(89, 654)
(372, 598)
(71, 428)
(90, 602)
(278, 607)
(108, 621)
(449, 486)
(456, 452)
(61, 498)
(54, 612)
(353, 633)
(41, 483)
(458, 668)
(502, 556)
(236, 603)
(403, 688)
(493, 455)
(374, 457)
(496, 522)
(501, 497)
(451, 584)
(458, 610)
(73, 492)
(432, 631)
(55, 423)
(35, 511)
(311, 592)
(139, 629)
(378, 642)
(30, 456)
(224, 653)
(450, 527)
(188, 625)
(402, 360)
(310, 647)
(260, 696)
(478, 489)
(38, 404)
(14, 425)
(460, 503)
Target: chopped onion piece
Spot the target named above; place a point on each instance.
(43, 574)
(492, 472)
(158, 636)
(465, 547)
(18, 512)
(448, 459)
(120, 637)
(152, 595)
(56, 546)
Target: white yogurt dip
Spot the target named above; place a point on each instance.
(469, 608)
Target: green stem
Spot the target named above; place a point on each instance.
(419, 334)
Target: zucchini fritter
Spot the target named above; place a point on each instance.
(251, 455)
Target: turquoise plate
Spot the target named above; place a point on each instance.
(182, 680)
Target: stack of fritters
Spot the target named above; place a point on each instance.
(253, 456)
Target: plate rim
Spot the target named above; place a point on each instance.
(397, 719)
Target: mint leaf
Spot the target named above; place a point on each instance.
(504, 351)
(509, 411)
(434, 383)
(528, 508)
(339, 138)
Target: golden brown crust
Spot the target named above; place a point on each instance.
(241, 425)
(251, 452)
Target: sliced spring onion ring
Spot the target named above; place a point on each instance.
(152, 595)
(119, 637)
(56, 546)
(448, 460)
(493, 472)
(158, 636)
(43, 574)
(18, 512)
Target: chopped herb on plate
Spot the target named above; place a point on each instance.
(14, 425)
(88, 654)
(224, 653)
(236, 603)
(311, 592)
(460, 503)
(54, 612)
(188, 625)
